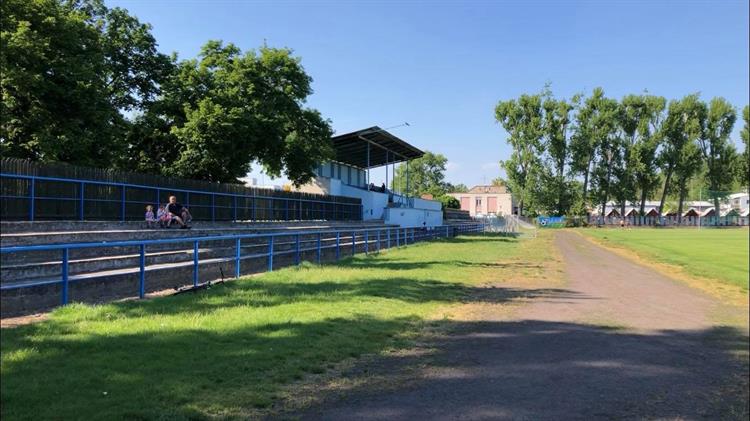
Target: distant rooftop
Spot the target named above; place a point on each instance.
(488, 189)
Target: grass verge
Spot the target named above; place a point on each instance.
(229, 352)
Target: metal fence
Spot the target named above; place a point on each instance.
(32, 191)
(370, 239)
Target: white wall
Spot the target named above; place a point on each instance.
(373, 203)
(413, 217)
(427, 204)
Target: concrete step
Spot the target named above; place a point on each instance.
(23, 266)
(57, 237)
(11, 227)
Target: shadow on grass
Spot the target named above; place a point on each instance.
(266, 293)
(529, 369)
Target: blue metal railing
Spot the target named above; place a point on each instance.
(277, 208)
(359, 237)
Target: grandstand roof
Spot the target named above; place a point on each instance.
(385, 148)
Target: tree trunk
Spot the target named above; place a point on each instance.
(716, 209)
(666, 189)
(679, 204)
(606, 188)
(642, 210)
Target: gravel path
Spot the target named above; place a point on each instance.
(620, 342)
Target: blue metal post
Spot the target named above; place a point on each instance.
(378, 246)
(234, 208)
(65, 276)
(32, 199)
(270, 253)
(388, 241)
(318, 255)
(158, 198)
(447, 233)
(412, 235)
(122, 204)
(338, 245)
(195, 263)
(213, 207)
(80, 203)
(297, 252)
(252, 206)
(367, 242)
(142, 274)
(237, 255)
(354, 244)
(398, 238)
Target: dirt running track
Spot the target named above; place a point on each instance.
(620, 342)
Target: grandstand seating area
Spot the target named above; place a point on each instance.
(30, 280)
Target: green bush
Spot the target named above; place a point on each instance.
(449, 202)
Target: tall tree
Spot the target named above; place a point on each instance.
(718, 151)
(523, 120)
(219, 113)
(556, 125)
(583, 141)
(642, 116)
(595, 146)
(69, 71)
(744, 169)
(426, 175)
(683, 126)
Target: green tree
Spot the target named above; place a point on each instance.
(683, 126)
(744, 167)
(718, 152)
(523, 120)
(456, 188)
(226, 109)
(583, 142)
(557, 119)
(596, 147)
(641, 119)
(426, 175)
(69, 70)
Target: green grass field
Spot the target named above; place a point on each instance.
(720, 254)
(228, 351)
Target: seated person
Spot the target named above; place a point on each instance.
(163, 217)
(178, 212)
(150, 217)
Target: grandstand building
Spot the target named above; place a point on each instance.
(348, 174)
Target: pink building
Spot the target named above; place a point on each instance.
(486, 200)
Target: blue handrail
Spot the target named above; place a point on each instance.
(404, 236)
(353, 210)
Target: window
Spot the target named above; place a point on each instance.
(479, 202)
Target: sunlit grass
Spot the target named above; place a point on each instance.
(718, 254)
(227, 351)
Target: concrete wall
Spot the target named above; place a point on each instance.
(373, 203)
(412, 217)
(427, 204)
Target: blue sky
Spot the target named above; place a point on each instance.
(442, 66)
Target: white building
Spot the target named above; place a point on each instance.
(348, 175)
